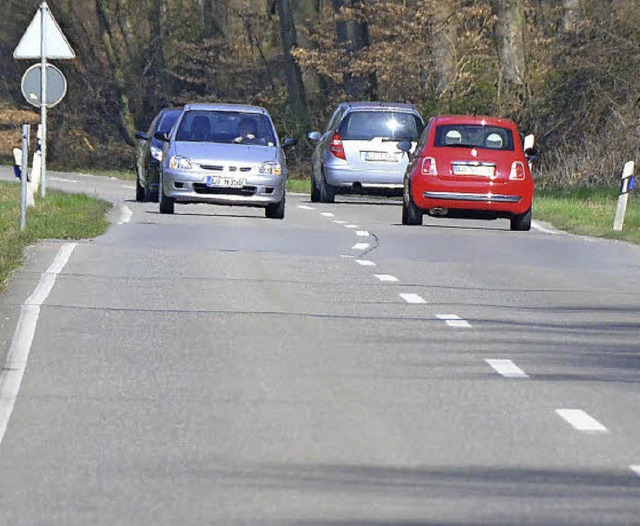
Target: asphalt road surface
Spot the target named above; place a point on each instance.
(335, 368)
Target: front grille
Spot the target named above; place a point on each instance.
(212, 167)
(201, 188)
(221, 168)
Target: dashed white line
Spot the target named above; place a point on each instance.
(635, 468)
(340, 222)
(360, 246)
(581, 421)
(16, 361)
(413, 298)
(125, 217)
(506, 368)
(386, 277)
(365, 263)
(305, 207)
(351, 226)
(362, 233)
(328, 214)
(453, 320)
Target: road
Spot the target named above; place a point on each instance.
(334, 368)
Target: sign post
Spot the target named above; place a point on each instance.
(26, 128)
(43, 40)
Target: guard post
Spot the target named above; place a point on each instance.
(627, 184)
(26, 130)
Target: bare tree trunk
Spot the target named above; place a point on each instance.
(158, 24)
(354, 34)
(443, 46)
(572, 15)
(117, 72)
(295, 87)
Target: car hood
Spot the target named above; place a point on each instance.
(201, 152)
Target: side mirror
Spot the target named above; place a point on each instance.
(314, 136)
(404, 146)
(142, 136)
(288, 142)
(531, 154)
(162, 136)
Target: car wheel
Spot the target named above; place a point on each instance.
(411, 214)
(315, 191)
(167, 204)
(521, 222)
(327, 192)
(276, 210)
(140, 192)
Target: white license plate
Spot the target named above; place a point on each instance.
(469, 169)
(225, 181)
(382, 157)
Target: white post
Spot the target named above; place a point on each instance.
(36, 164)
(621, 210)
(43, 97)
(23, 176)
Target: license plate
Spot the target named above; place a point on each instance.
(225, 181)
(469, 169)
(381, 157)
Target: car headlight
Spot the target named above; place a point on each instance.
(156, 153)
(180, 163)
(271, 168)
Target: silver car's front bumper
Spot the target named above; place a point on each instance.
(191, 187)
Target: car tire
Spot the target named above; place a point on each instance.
(140, 191)
(411, 214)
(275, 210)
(521, 222)
(315, 191)
(167, 204)
(327, 192)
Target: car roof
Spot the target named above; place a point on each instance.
(382, 106)
(220, 106)
(482, 120)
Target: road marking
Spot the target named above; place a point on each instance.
(506, 368)
(16, 361)
(63, 180)
(635, 468)
(581, 421)
(453, 320)
(345, 256)
(360, 246)
(125, 217)
(386, 277)
(362, 233)
(328, 214)
(305, 207)
(413, 298)
(340, 222)
(539, 227)
(351, 226)
(365, 263)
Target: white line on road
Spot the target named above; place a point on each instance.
(328, 214)
(63, 180)
(125, 217)
(386, 277)
(16, 361)
(635, 468)
(360, 246)
(365, 263)
(305, 207)
(340, 222)
(413, 298)
(351, 226)
(362, 233)
(581, 420)
(538, 226)
(506, 368)
(453, 320)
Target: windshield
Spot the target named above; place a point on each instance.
(226, 127)
(167, 120)
(392, 125)
(474, 136)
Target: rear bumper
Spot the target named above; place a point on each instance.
(476, 198)
(345, 177)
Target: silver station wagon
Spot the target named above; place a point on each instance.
(225, 154)
(358, 151)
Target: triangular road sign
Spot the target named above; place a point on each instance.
(56, 44)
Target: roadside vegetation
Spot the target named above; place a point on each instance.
(59, 216)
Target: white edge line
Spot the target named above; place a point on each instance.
(386, 277)
(351, 226)
(365, 263)
(581, 421)
(328, 214)
(16, 361)
(360, 246)
(125, 217)
(506, 368)
(539, 227)
(415, 299)
(362, 233)
(635, 468)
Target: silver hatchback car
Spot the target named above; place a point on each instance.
(225, 154)
(358, 151)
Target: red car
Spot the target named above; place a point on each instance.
(471, 167)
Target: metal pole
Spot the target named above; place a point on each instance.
(26, 128)
(44, 8)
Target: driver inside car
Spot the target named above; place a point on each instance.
(248, 131)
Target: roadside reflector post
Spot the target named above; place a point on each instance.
(627, 184)
(26, 129)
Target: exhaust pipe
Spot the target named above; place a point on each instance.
(438, 212)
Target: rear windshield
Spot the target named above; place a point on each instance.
(167, 120)
(474, 136)
(227, 127)
(393, 125)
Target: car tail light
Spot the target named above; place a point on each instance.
(517, 171)
(336, 147)
(429, 166)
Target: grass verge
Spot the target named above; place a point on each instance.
(588, 212)
(59, 216)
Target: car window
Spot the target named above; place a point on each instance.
(395, 125)
(167, 120)
(474, 136)
(226, 127)
(335, 119)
